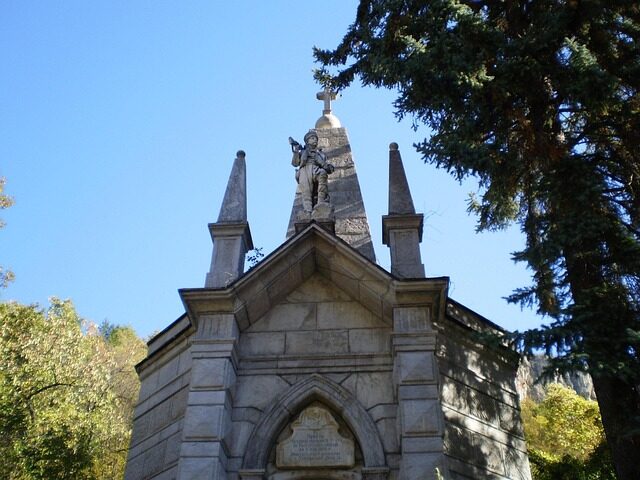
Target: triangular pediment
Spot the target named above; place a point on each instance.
(293, 271)
(313, 252)
(317, 265)
(316, 304)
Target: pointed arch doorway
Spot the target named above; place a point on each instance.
(316, 431)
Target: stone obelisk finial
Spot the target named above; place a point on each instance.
(402, 227)
(230, 234)
(328, 119)
(234, 204)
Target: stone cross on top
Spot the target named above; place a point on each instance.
(326, 95)
(328, 119)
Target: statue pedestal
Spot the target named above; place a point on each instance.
(327, 224)
(322, 215)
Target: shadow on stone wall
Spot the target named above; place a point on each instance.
(483, 430)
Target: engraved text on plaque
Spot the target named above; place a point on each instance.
(315, 442)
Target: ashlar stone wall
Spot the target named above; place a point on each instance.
(396, 363)
(316, 330)
(158, 417)
(483, 430)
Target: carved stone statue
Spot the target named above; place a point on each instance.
(312, 172)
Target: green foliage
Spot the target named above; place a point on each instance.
(565, 437)
(539, 101)
(547, 467)
(562, 424)
(66, 397)
(6, 201)
(254, 257)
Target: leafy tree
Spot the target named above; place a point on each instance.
(63, 410)
(6, 201)
(565, 437)
(538, 100)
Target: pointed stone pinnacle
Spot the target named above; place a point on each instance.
(234, 204)
(400, 201)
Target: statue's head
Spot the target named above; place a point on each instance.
(311, 134)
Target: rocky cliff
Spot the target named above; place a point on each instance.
(530, 382)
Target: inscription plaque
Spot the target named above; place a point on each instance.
(315, 442)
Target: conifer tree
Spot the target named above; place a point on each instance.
(539, 101)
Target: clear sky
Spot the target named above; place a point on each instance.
(119, 123)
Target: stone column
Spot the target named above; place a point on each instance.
(207, 421)
(420, 418)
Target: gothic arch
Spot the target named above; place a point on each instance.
(315, 387)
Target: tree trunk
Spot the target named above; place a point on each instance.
(619, 402)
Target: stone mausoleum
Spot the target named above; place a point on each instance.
(318, 364)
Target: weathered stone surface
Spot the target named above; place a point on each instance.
(206, 421)
(172, 449)
(400, 201)
(517, 465)
(371, 388)
(317, 288)
(234, 204)
(287, 316)
(262, 343)
(381, 411)
(240, 432)
(420, 466)
(403, 234)
(258, 391)
(415, 367)
(231, 242)
(387, 427)
(338, 315)
(216, 326)
(510, 419)
(314, 342)
(212, 373)
(408, 392)
(370, 340)
(483, 407)
(315, 442)
(422, 444)
(420, 416)
(168, 371)
(412, 319)
(195, 468)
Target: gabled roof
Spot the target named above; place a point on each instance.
(313, 250)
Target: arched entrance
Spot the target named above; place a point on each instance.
(277, 427)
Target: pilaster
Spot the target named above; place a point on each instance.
(207, 421)
(420, 418)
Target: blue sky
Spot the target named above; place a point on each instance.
(119, 122)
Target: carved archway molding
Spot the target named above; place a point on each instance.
(315, 388)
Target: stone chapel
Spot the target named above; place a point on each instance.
(318, 364)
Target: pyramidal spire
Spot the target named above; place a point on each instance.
(339, 179)
(234, 204)
(400, 201)
(230, 234)
(402, 227)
